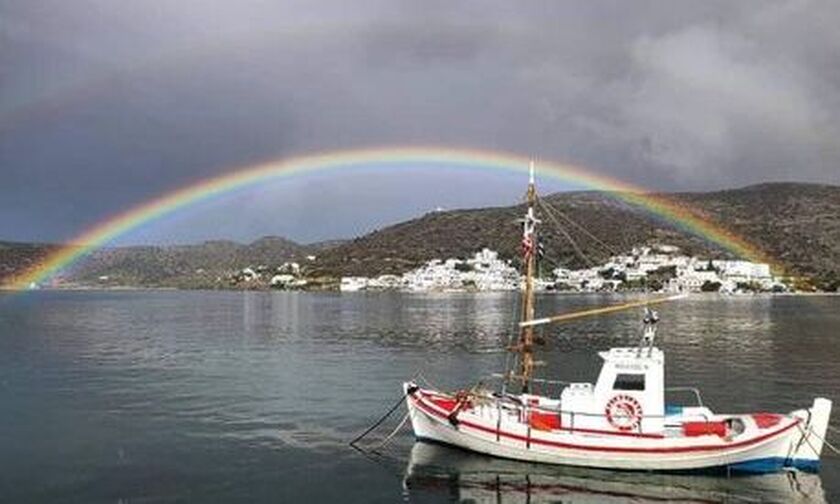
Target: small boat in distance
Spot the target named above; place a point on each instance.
(619, 422)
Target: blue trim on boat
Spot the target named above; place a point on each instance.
(673, 409)
(775, 464)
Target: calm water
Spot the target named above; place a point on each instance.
(197, 396)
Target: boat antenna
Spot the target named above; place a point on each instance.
(524, 347)
(649, 331)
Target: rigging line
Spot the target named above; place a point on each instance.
(421, 377)
(625, 241)
(565, 233)
(582, 229)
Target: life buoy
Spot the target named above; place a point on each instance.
(624, 412)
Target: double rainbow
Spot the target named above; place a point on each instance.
(243, 177)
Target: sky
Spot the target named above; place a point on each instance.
(104, 105)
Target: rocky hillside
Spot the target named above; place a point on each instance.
(612, 226)
(205, 265)
(17, 257)
(799, 224)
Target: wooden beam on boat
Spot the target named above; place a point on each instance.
(598, 311)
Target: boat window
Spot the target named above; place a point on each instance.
(629, 382)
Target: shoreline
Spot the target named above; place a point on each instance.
(436, 292)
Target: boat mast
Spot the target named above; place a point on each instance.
(529, 251)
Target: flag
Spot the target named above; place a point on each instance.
(527, 246)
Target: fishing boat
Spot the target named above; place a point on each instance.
(622, 420)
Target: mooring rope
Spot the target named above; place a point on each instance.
(392, 434)
(377, 423)
(824, 441)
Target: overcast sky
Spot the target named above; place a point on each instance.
(105, 104)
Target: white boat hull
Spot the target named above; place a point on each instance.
(795, 441)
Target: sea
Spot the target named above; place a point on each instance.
(190, 396)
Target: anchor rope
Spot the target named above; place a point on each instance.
(392, 434)
(824, 441)
(376, 424)
(807, 441)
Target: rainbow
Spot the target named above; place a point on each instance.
(392, 157)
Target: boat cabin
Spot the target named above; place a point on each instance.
(628, 397)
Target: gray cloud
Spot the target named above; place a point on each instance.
(106, 104)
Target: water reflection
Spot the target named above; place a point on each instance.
(437, 472)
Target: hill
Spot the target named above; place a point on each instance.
(16, 257)
(203, 265)
(799, 224)
(460, 233)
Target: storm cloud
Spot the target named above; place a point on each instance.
(106, 104)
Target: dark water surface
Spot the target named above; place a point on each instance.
(229, 396)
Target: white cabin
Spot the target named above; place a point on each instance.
(629, 395)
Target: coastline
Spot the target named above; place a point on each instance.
(127, 288)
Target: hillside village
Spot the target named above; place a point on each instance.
(663, 268)
(482, 272)
(660, 268)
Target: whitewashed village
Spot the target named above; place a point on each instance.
(659, 268)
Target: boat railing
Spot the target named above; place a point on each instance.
(551, 387)
(693, 390)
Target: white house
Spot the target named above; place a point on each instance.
(353, 284)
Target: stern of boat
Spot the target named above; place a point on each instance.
(808, 444)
